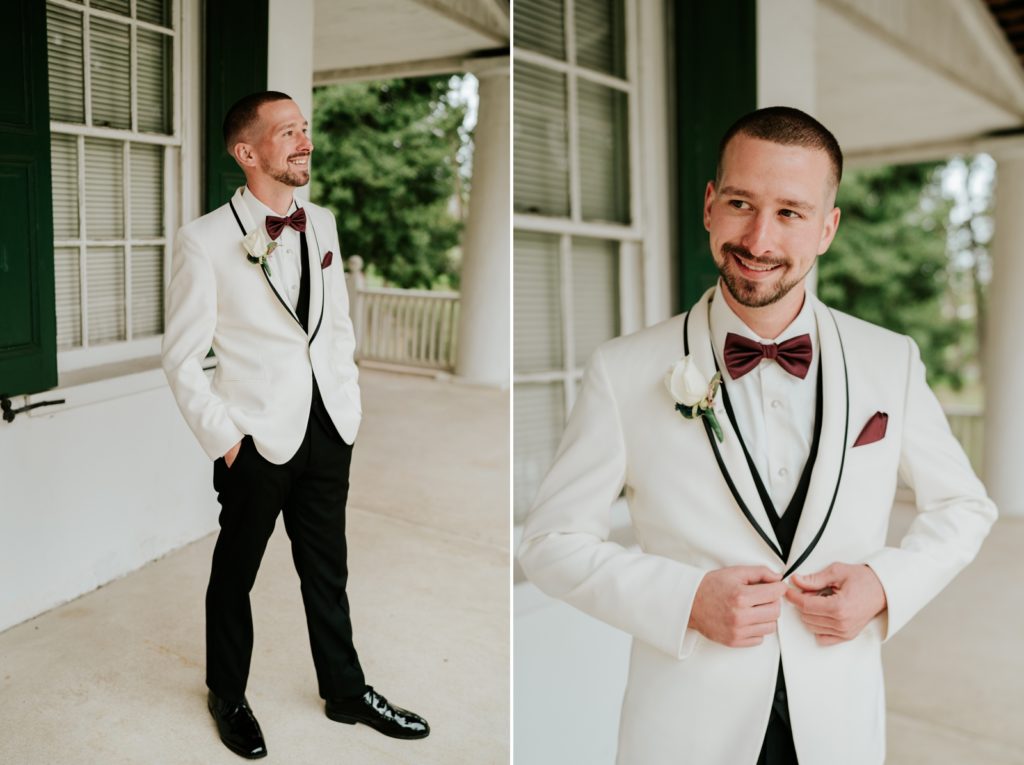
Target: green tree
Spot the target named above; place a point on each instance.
(889, 262)
(387, 164)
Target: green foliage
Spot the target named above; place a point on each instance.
(889, 265)
(387, 164)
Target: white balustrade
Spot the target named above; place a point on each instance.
(968, 425)
(414, 329)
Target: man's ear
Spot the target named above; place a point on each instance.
(828, 231)
(244, 154)
(709, 198)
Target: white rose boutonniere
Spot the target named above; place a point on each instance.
(694, 395)
(259, 249)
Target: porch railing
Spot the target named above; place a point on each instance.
(968, 425)
(414, 329)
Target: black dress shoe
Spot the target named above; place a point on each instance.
(374, 710)
(237, 727)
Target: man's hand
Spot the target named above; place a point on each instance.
(737, 606)
(229, 458)
(837, 602)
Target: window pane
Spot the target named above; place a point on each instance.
(114, 6)
(540, 26)
(541, 169)
(539, 416)
(153, 100)
(538, 306)
(600, 35)
(595, 294)
(64, 47)
(68, 297)
(64, 166)
(147, 291)
(147, 197)
(604, 156)
(153, 11)
(111, 103)
(104, 189)
(104, 273)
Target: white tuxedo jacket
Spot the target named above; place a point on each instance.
(692, 701)
(263, 383)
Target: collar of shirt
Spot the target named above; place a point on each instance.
(724, 321)
(260, 211)
(287, 267)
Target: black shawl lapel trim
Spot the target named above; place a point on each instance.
(785, 525)
(264, 271)
(315, 263)
(721, 463)
(842, 463)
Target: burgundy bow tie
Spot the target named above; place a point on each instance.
(297, 220)
(743, 354)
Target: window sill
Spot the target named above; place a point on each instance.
(101, 383)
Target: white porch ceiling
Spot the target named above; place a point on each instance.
(360, 39)
(895, 76)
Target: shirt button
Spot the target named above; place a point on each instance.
(783, 472)
(776, 404)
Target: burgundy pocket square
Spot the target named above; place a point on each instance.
(874, 430)
(328, 259)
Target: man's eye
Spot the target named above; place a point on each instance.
(739, 204)
(789, 213)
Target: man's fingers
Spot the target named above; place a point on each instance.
(816, 581)
(812, 603)
(757, 574)
(818, 624)
(829, 639)
(759, 594)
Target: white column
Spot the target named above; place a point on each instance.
(483, 350)
(1004, 363)
(786, 74)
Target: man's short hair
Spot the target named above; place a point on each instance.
(243, 115)
(789, 127)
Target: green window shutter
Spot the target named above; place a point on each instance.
(716, 82)
(28, 350)
(236, 65)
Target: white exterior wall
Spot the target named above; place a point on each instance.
(93, 490)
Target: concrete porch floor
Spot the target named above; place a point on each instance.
(116, 676)
(955, 674)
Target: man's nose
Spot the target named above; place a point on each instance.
(758, 237)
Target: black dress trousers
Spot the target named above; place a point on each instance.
(310, 491)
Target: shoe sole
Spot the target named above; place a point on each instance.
(353, 720)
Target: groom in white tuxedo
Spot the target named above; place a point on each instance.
(762, 587)
(261, 282)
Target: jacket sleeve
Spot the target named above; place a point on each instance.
(191, 319)
(566, 551)
(954, 513)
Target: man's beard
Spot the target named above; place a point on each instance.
(290, 176)
(746, 292)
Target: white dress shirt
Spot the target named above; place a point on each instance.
(285, 262)
(774, 409)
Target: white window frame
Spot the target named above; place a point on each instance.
(86, 356)
(629, 237)
(647, 269)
